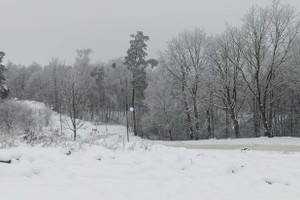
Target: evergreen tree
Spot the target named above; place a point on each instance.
(3, 87)
(136, 63)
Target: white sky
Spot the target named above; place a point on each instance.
(38, 30)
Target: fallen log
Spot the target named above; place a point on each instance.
(7, 162)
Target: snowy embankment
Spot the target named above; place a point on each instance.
(111, 169)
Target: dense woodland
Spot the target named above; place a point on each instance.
(241, 83)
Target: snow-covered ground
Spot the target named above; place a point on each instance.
(109, 168)
(148, 172)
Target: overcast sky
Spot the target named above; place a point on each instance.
(38, 30)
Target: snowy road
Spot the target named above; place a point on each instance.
(284, 144)
(259, 147)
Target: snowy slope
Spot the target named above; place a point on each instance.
(83, 133)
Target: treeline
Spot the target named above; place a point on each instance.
(241, 83)
(84, 91)
(97, 88)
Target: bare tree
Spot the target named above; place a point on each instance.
(265, 41)
(161, 104)
(184, 60)
(73, 95)
(226, 60)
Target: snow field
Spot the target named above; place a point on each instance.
(159, 172)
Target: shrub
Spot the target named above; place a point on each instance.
(19, 118)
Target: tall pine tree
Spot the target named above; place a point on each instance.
(136, 62)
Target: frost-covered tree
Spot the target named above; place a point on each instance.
(226, 82)
(74, 103)
(97, 95)
(265, 42)
(185, 60)
(163, 117)
(54, 74)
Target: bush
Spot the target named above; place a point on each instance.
(9, 111)
(18, 118)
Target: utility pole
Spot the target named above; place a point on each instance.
(126, 107)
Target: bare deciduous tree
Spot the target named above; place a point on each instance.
(265, 41)
(184, 60)
(226, 60)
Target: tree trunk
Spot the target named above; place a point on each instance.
(236, 125)
(184, 83)
(256, 124)
(75, 134)
(208, 122)
(133, 113)
(196, 134)
(170, 135)
(267, 131)
(74, 112)
(189, 119)
(227, 126)
(236, 128)
(212, 116)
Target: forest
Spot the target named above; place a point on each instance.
(243, 82)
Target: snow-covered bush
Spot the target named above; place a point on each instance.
(47, 113)
(18, 118)
(27, 119)
(6, 141)
(8, 111)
